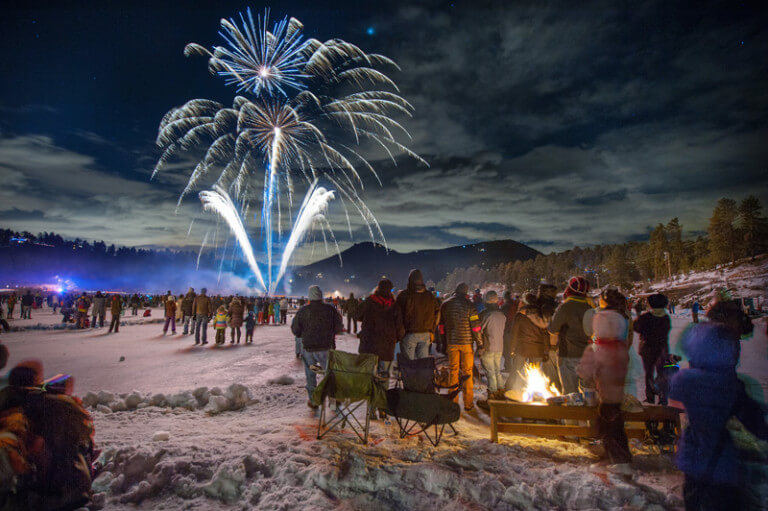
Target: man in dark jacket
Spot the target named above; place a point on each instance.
(135, 303)
(187, 312)
(350, 310)
(420, 310)
(203, 310)
(381, 326)
(653, 328)
(460, 324)
(26, 305)
(317, 324)
(568, 323)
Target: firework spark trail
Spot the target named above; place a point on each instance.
(313, 209)
(219, 202)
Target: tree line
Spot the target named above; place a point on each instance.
(735, 230)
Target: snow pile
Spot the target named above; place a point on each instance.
(212, 401)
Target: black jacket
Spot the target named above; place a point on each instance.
(654, 333)
(186, 304)
(317, 324)
(382, 326)
(460, 322)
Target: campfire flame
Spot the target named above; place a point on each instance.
(537, 386)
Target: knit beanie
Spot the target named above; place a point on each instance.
(491, 297)
(315, 293)
(609, 324)
(577, 286)
(657, 301)
(462, 289)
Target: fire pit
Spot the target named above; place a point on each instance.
(538, 388)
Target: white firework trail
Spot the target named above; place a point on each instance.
(219, 202)
(312, 210)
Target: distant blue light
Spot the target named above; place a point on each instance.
(370, 31)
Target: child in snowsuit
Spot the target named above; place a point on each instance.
(605, 363)
(250, 325)
(220, 324)
(711, 393)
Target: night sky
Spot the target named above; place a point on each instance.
(559, 124)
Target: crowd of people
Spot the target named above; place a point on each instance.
(581, 342)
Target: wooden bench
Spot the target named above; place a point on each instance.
(502, 409)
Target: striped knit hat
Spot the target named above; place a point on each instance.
(577, 286)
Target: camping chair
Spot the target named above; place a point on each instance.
(350, 380)
(417, 405)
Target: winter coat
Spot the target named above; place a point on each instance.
(654, 332)
(202, 306)
(236, 312)
(382, 326)
(284, 304)
(492, 324)
(460, 322)
(170, 307)
(27, 300)
(250, 322)
(82, 304)
(135, 301)
(99, 305)
(712, 393)
(220, 321)
(116, 307)
(317, 324)
(530, 338)
(568, 324)
(419, 308)
(605, 363)
(187, 303)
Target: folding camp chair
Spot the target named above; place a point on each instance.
(417, 406)
(350, 380)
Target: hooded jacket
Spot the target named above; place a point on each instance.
(317, 324)
(492, 323)
(530, 338)
(460, 321)
(711, 393)
(99, 304)
(382, 326)
(202, 305)
(236, 313)
(419, 308)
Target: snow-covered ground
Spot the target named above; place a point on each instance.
(264, 454)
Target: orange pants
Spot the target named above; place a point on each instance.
(461, 361)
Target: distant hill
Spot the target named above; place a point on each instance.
(364, 264)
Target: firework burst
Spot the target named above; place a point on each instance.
(307, 110)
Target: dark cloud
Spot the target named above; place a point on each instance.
(544, 123)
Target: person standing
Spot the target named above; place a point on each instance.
(82, 306)
(220, 324)
(283, 310)
(99, 309)
(187, 313)
(276, 309)
(605, 362)
(316, 324)
(420, 311)
(203, 310)
(493, 323)
(250, 326)
(653, 328)
(135, 303)
(567, 323)
(461, 327)
(11, 305)
(170, 314)
(26, 305)
(711, 394)
(381, 326)
(349, 307)
(695, 308)
(236, 316)
(530, 342)
(116, 308)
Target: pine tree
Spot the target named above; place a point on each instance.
(675, 241)
(658, 247)
(722, 232)
(618, 266)
(752, 225)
